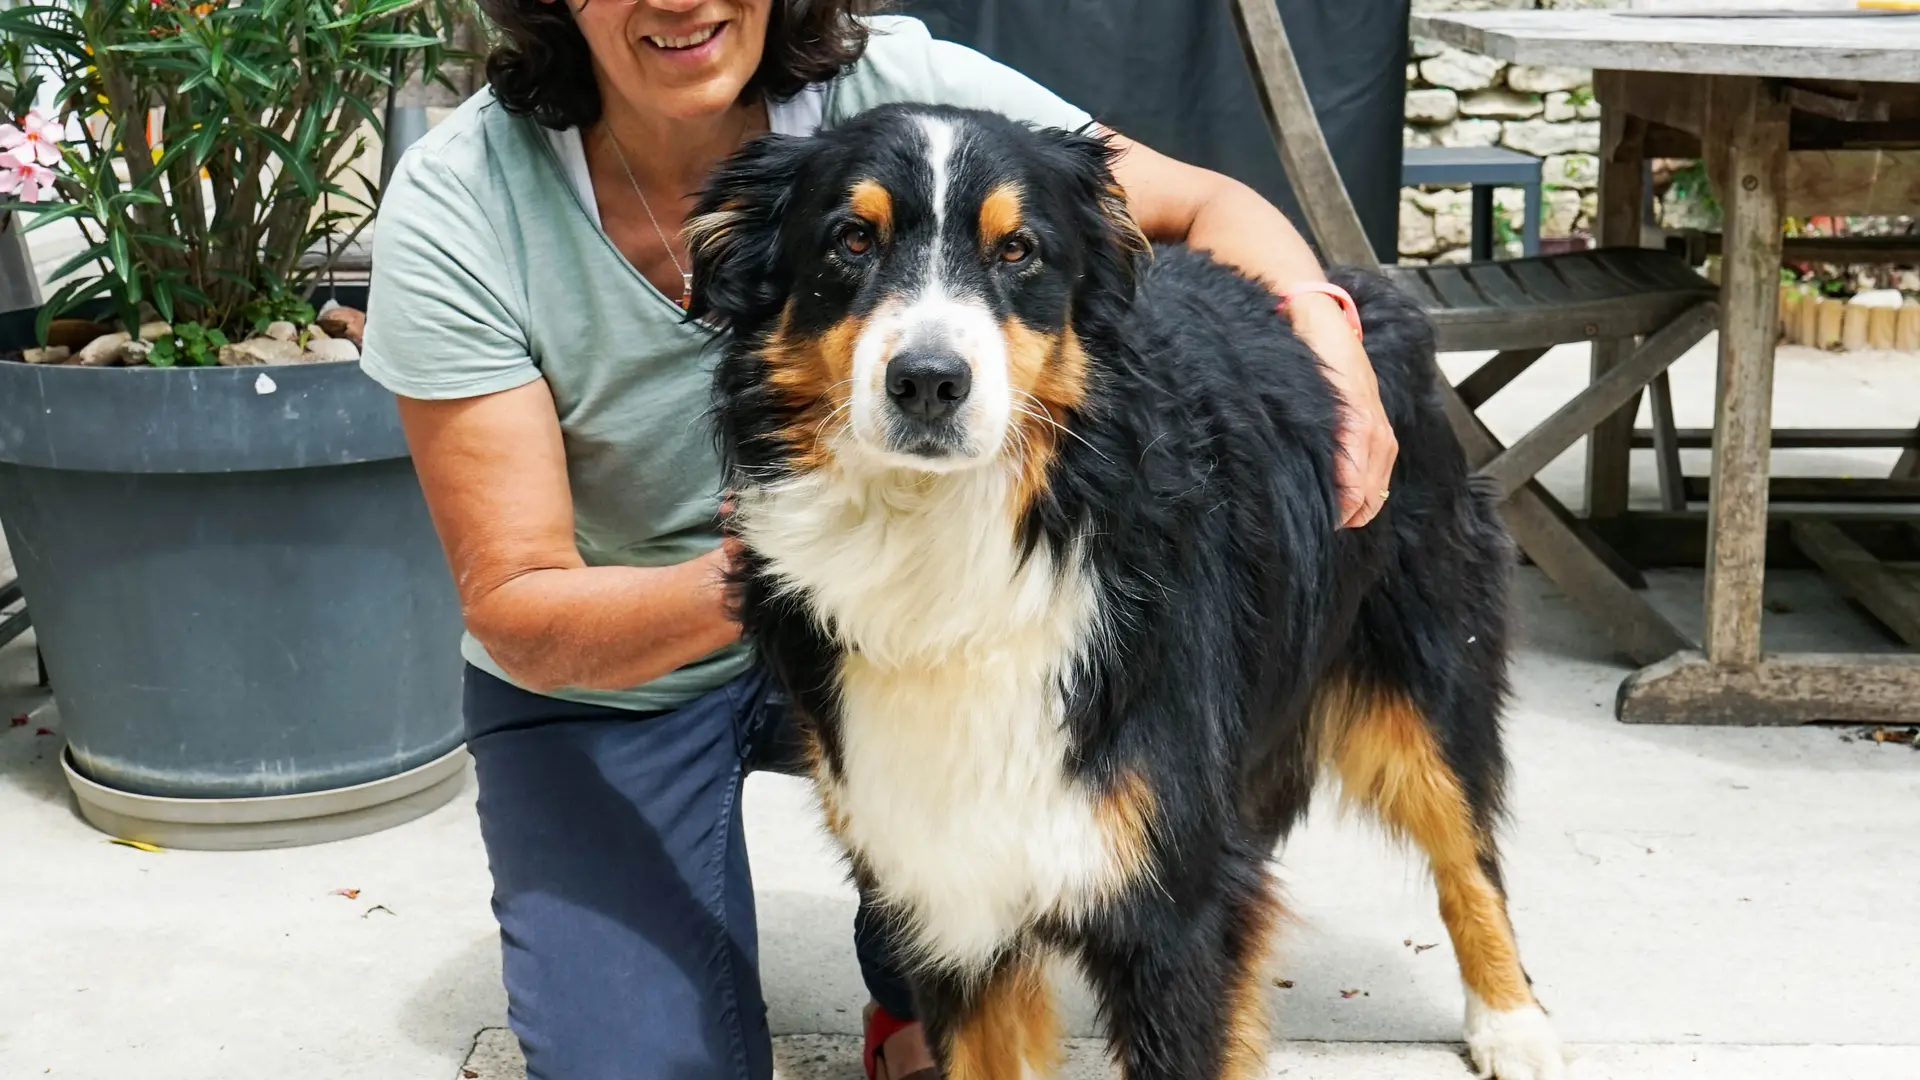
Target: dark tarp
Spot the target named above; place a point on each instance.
(1171, 73)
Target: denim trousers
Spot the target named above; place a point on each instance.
(621, 882)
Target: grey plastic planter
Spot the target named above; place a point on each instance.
(246, 617)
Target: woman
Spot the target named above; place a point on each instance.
(526, 309)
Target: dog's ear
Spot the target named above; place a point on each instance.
(1111, 239)
(733, 233)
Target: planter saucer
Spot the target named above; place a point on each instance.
(273, 821)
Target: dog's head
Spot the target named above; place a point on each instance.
(917, 288)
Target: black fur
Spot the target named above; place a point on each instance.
(1201, 476)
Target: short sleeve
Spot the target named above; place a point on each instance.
(905, 62)
(441, 319)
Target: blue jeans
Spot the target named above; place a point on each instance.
(621, 884)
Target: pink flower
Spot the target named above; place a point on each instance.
(24, 177)
(38, 144)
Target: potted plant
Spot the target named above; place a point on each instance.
(243, 609)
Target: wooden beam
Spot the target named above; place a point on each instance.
(1797, 438)
(1853, 108)
(1755, 161)
(1295, 128)
(1824, 489)
(1850, 250)
(1863, 577)
(1666, 444)
(1786, 689)
(1664, 538)
(1493, 376)
(1605, 398)
(1674, 101)
(1609, 458)
(1852, 182)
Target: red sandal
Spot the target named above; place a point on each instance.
(881, 1026)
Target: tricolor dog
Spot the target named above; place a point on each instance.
(1039, 531)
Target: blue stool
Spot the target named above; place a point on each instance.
(1483, 168)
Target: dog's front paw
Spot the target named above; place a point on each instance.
(1513, 1044)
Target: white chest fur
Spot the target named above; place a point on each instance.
(953, 785)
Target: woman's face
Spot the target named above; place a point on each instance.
(679, 59)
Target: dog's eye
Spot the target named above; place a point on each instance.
(854, 239)
(1015, 249)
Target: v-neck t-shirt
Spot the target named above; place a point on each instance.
(491, 270)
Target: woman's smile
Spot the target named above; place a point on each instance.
(693, 46)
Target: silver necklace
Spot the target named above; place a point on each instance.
(686, 279)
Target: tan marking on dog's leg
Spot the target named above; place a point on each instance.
(1012, 1032)
(1245, 1056)
(1125, 812)
(1387, 760)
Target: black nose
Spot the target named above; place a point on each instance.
(927, 384)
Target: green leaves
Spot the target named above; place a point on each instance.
(219, 143)
(295, 165)
(190, 343)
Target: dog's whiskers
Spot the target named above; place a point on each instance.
(1039, 412)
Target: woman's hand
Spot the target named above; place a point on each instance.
(1176, 202)
(1363, 470)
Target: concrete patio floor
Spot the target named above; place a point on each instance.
(1691, 902)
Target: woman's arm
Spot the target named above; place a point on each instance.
(495, 479)
(1174, 201)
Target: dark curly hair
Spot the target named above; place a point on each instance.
(542, 68)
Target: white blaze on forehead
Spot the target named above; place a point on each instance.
(942, 140)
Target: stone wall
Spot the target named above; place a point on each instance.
(1457, 98)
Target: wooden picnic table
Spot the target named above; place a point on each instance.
(1793, 116)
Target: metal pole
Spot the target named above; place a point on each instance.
(405, 125)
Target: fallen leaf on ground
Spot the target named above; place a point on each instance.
(1354, 993)
(351, 894)
(1418, 949)
(1883, 735)
(1284, 984)
(378, 907)
(468, 1073)
(141, 844)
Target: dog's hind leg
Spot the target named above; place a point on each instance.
(1182, 988)
(998, 1027)
(1387, 759)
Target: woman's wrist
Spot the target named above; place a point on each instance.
(1319, 318)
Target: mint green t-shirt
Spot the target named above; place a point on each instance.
(490, 270)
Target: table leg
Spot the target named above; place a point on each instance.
(1756, 125)
(1530, 227)
(1483, 230)
(1610, 446)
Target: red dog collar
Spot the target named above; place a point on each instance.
(1325, 288)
